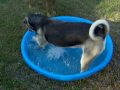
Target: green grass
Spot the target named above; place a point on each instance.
(16, 75)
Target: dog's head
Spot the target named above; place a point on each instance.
(35, 21)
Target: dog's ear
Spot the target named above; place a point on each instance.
(99, 29)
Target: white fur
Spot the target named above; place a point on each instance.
(36, 39)
(41, 38)
(94, 25)
(90, 50)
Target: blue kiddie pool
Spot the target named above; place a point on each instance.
(62, 63)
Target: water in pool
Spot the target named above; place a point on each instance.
(55, 59)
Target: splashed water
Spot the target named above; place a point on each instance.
(55, 52)
(54, 59)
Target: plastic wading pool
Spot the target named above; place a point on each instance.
(62, 63)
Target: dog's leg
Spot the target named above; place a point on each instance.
(86, 59)
(41, 39)
(90, 50)
(35, 38)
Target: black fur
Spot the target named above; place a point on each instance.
(36, 21)
(67, 33)
(100, 31)
(62, 33)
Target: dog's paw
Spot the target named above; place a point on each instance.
(81, 71)
(36, 40)
(40, 44)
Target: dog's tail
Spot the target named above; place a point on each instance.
(99, 29)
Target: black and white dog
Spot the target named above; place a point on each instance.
(90, 37)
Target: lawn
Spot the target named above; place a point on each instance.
(16, 75)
